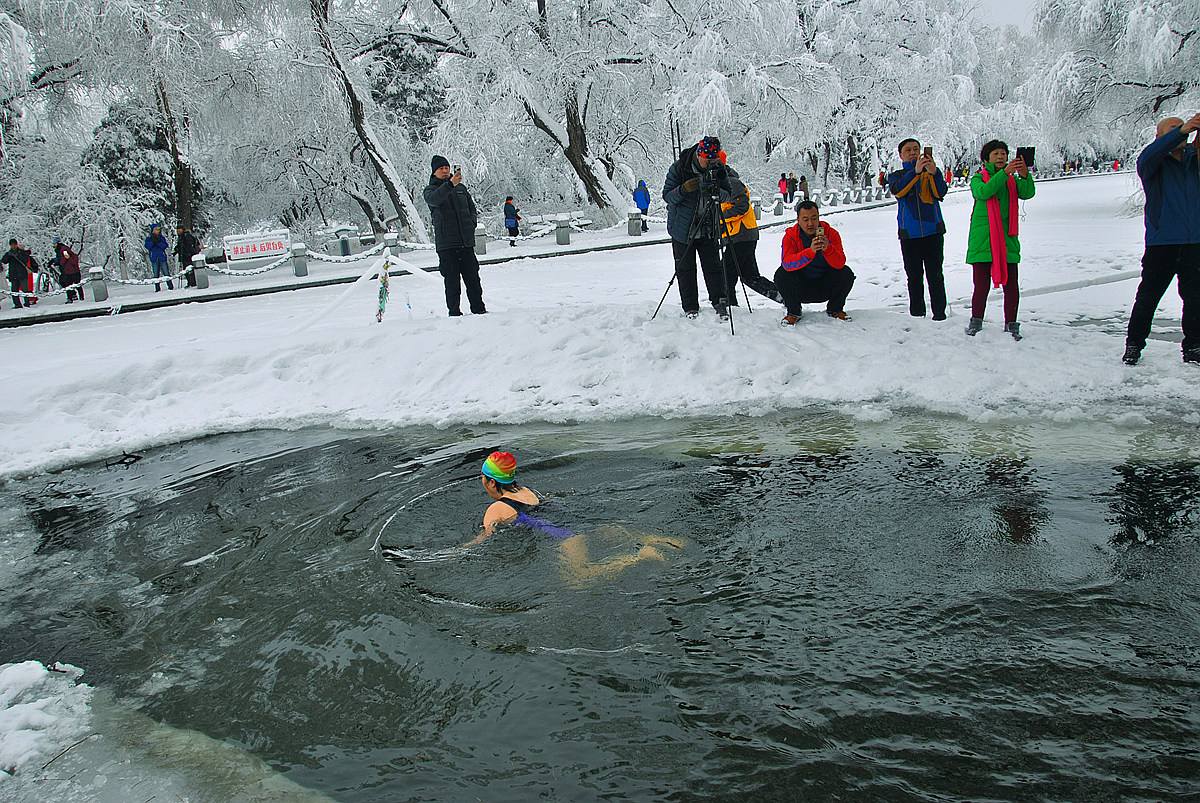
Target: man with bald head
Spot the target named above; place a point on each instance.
(1170, 174)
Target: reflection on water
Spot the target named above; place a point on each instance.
(913, 609)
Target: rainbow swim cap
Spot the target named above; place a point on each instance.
(501, 467)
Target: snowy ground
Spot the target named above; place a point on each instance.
(570, 338)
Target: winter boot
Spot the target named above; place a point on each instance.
(722, 310)
(1132, 355)
(1192, 355)
(789, 320)
(691, 314)
(1013, 329)
(975, 326)
(840, 315)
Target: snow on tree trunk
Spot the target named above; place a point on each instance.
(181, 171)
(406, 211)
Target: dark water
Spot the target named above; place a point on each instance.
(918, 609)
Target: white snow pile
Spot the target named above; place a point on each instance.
(570, 339)
(42, 711)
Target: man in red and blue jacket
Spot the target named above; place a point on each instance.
(919, 188)
(813, 268)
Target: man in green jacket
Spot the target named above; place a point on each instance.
(993, 246)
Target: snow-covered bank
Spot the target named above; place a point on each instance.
(570, 339)
(61, 740)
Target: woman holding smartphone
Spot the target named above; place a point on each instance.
(993, 245)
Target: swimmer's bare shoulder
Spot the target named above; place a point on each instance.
(498, 513)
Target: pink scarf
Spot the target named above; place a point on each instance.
(996, 229)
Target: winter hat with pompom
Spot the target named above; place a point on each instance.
(709, 147)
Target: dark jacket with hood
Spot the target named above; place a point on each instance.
(67, 260)
(453, 213)
(688, 212)
(19, 263)
(187, 247)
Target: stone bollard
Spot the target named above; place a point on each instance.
(846, 196)
(391, 241)
(777, 209)
(98, 285)
(832, 200)
(480, 240)
(343, 246)
(299, 259)
(355, 243)
(756, 204)
(562, 230)
(635, 223)
(200, 271)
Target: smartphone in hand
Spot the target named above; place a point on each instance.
(1026, 155)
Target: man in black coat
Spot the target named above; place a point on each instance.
(19, 263)
(688, 190)
(454, 217)
(186, 247)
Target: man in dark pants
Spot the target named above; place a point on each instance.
(1170, 175)
(919, 188)
(813, 267)
(454, 218)
(19, 263)
(186, 247)
(690, 182)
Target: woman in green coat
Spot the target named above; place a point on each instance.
(993, 248)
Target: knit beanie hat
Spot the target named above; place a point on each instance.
(438, 161)
(709, 147)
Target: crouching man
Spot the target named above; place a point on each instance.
(813, 267)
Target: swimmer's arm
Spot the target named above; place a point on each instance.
(496, 514)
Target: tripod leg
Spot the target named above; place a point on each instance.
(664, 297)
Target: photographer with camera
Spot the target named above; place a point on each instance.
(1169, 169)
(919, 188)
(693, 190)
(454, 217)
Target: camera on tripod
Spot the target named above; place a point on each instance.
(712, 177)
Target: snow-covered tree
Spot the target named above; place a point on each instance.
(1118, 64)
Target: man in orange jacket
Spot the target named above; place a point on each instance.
(814, 267)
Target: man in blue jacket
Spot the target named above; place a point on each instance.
(156, 249)
(1170, 175)
(692, 182)
(919, 188)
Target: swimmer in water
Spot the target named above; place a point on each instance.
(512, 504)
